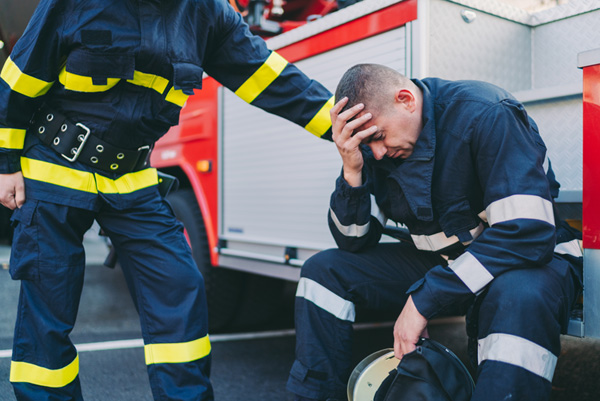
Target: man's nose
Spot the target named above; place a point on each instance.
(379, 150)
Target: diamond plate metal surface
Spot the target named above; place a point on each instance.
(556, 45)
(561, 127)
(497, 8)
(569, 9)
(516, 14)
(489, 49)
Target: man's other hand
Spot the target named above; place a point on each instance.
(408, 329)
(12, 190)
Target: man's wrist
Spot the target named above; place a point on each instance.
(353, 178)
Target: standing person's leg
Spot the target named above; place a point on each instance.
(48, 257)
(520, 321)
(168, 291)
(332, 283)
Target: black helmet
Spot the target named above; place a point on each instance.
(430, 373)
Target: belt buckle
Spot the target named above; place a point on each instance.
(143, 155)
(80, 147)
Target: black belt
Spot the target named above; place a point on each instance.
(75, 142)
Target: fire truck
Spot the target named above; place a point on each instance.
(254, 188)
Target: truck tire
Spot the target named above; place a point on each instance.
(223, 286)
(261, 301)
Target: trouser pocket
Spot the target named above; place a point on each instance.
(24, 256)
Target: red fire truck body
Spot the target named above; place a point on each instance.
(590, 63)
(487, 41)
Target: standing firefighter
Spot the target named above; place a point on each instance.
(462, 165)
(87, 91)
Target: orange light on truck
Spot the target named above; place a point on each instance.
(204, 166)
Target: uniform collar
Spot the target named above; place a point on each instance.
(415, 173)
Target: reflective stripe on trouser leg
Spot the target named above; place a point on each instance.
(520, 321)
(48, 257)
(168, 291)
(332, 283)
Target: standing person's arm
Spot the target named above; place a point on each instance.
(26, 77)
(242, 62)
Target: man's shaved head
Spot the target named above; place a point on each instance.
(373, 85)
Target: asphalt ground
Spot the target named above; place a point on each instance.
(247, 366)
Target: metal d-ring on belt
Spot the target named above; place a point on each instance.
(75, 141)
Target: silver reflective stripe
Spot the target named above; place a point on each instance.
(471, 272)
(518, 351)
(572, 248)
(520, 207)
(325, 299)
(439, 241)
(376, 212)
(353, 230)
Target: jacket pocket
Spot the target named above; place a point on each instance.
(101, 67)
(24, 256)
(457, 218)
(187, 77)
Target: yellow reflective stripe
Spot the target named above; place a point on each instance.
(85, 181)
(30, 373)
(23, 83)
(151, 81)
(12, 138)
(127, 183)
(322, 120)
(177, 352)
(262, 78)
(58, 175)
(81, 83)
(176, 96)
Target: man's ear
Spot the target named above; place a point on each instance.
(407, 99)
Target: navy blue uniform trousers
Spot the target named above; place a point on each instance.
(165, 284)
(521, 315)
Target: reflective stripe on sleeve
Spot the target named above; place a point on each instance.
(439, 240)
(23, 83)
(517, 351)
(520, 207)
(30, 373)
(177, 352)
(352, 230)
(325, 299)
(321, 122)
(127, 183)
(471, 272)
(12, 138)
(376, 211)
(572, 248)
(262, 78)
